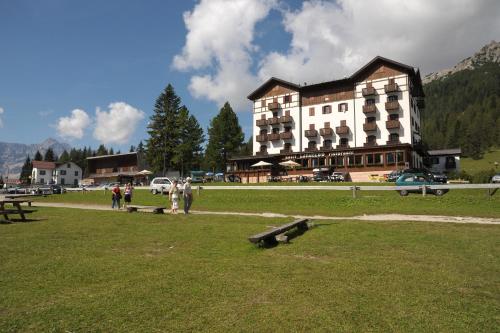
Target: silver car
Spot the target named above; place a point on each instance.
(162, 185)
(496, 178)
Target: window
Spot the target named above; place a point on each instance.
(63, 172)
(288, 129)
(275, 114)
(394, 116)
(311, 126)
(371, 120)
(394, 137)
(263, 103)
(63, 181)
(338, 161)
(342, 107)
(311, 144)
(343, 123)
(311, 112)
(327, 144)
(393, 157)
(392, 98)
(390, 158)
(435, 160)
(287, 99)
(42, 172)
(327, 124)
(76, 173)
(355, 160)
(327, 109)
(42, 181)
(344, 141)
(276, 130)
(391, 81)
(263, 149)
(287, 112)
(371, 139)
(68, 165)
(263, 131)
(372, 159)
(288, 146)
(370, 101)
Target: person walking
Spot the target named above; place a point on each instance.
(127, 195)
(187, 195)
(173, 196)
(116, 195)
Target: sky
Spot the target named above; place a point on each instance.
(89, 72)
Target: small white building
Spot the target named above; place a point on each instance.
(68, 173)
(445, 160)
(42, 172)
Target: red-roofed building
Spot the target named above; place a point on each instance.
(42, 172)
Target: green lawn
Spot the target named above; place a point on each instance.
(486, 163)
(83, 271)
(317, 202)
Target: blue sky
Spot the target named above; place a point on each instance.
(57, 56)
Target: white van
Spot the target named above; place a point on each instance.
(162, 185)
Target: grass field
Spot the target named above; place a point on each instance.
(316, 202)
(486, 163)
(83, 271)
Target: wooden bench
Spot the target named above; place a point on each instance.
(15, 210)
(269, 237)
(155, 210)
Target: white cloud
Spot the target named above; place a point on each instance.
(220, 37)
(118, 124)
(1, 112)
(74, 125)
(329, 40)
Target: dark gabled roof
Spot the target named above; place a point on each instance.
(443, 152)
(378, 59)
(257, 92)
(106, 156)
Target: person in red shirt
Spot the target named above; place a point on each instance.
(116, 196)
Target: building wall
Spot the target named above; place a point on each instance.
(41, 176)
(68, 174)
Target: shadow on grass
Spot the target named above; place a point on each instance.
(10, 221)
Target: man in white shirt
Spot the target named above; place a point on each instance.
(188, 195)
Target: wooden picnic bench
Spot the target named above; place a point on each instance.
(155, 210)
(269, 237)
(16, 210)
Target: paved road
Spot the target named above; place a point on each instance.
(378, 217)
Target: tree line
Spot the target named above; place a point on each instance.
(175, 141)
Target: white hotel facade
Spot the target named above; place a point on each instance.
(368, 123)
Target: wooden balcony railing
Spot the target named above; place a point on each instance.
(371, 108)
(273, 121)
(342, 146)
(261, 138)
(342, 130)
(393, 142)
(286, 119)
(273, 136)
(370, 91)
(273, 106)
(390, 124)
(392, 105)
(326, 131)
(286, 151)
(311, 133)
(391, 87)
(286, 135)
(372, 126)
(311, 149)
(370, 144)
(326, 148)
(261, 122)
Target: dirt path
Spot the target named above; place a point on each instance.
(378, 217)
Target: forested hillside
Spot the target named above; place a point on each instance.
(463, 110)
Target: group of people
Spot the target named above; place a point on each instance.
(173, 196)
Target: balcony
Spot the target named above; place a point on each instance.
(273, 106)
(325, 131)
(273, 121)
(326, 148)
(393, 142)
(273, 136)
(392, 105)
(369, 108)
(261, 153)
(311, 149)
(261, 122)
(286, 135)
(391, 87)
(391, 124)
(369, 91)
(286, 119)
(286, 151)
(311, 133)
(343, 146)
(342, 130)
(370, 144)
(367, 127)
(261, 138)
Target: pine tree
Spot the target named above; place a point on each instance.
(140, 148)
(225, 138)
(26, 171)
(50, 156)
(101, 151)
(111, 151)
(38, 156)
(163, 131)
(132, 149)
(64, 157)
(247, 147)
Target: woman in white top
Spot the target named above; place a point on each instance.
(173, 196)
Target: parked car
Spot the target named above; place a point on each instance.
(437, 177)
(337, 177)
(162, 185)
(394, 175)
(496, 178)
(417, 179)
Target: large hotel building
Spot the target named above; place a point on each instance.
(364, 125)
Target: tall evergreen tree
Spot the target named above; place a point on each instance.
(132, 149)
(64, 157)
(111, 151)
(247, 147)
(225, 138)
(26, 171)
(101, 151)
(38, 156)
(50, 156)
(163, 131)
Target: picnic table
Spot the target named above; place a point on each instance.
(16, 208)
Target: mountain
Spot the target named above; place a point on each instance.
(13, 155)
(463, 104)
(489, 53)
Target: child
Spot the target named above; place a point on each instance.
(173, 196)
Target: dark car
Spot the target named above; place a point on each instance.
(417, 179)
(436, 177)
(394, 175)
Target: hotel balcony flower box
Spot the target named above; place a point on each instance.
(261, 153)
(311, 133)
(325, 131)
(261, 138)
(393, 142)
(342, 130)
(273, 136)
(286, 119)
(370, 144)
(286, 151)
(392, 105)
(367, 127)
(371, 108)
(310, 149)
(391, 87)
(369, 91)
(273, 121)
(343, 146)
(261, 122)
(273, 106)
(286, 135)
(390, 124)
